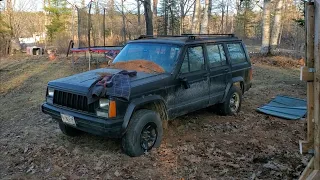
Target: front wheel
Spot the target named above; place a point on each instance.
(232, 104)
(144, 132)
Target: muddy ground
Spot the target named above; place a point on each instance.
(200, 145)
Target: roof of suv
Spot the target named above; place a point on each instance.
(187, 38)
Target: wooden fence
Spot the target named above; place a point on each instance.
(311, 73)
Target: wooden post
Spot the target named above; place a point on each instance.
(312, 171)
(317, 87)
(307, 145)
(310, 64)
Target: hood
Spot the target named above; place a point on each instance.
(81, 83)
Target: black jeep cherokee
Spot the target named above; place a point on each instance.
(200, 71)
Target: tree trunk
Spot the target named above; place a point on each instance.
(124, 38)
(222, 18)
(209, 15)
(155, 17)
(276, 27)
(148, 17)
(227, 18)
(166, 17)
(172, 21)
(139, 17)
(10, 15)
(265, 46)
(195, 18)
(181, 16)
(204, 24)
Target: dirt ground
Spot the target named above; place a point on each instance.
(200, 145)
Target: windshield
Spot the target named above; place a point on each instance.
(164, 55)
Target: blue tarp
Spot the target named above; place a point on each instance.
(285, 107)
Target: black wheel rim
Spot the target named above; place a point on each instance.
(148, 136)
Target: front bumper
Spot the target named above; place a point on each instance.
(103, 127)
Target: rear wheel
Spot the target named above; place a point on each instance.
(233, 101)
(144, 132)
(68, 130)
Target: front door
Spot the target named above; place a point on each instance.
(193, 72)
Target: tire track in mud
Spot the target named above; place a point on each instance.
(27, 91)
(22, 124)
(17, 81)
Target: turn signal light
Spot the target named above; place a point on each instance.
(112, 109)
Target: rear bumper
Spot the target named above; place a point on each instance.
(103, 127)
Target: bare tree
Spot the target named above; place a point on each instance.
(265, 47)
(9, 10)
(209, 15)
(227, 18)
(171, 19)
(223, 8)
(195, 18)
(155, 16)
(148, 17)
(123, 23)
(204, 24)
(139, 16)
(185, 7)
(276, 27)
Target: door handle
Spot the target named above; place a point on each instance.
(226, 70)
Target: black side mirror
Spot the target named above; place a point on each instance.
(184, 81)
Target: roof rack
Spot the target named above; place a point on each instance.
(189, 36)
(155, 36)
(209, 35)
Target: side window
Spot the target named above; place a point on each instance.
(193, 60)
(216, 55)
(236, 53)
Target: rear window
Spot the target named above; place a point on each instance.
(236, 52)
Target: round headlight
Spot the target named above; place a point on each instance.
(104, 103)
(50, 92)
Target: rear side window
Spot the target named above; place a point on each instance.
(216, 55)
(236, 52)
(193, 60)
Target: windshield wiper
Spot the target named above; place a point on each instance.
(142, 66)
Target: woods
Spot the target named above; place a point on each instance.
(114, 22)
(271, 33)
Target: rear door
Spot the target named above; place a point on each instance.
(220, 72)
(238, 59)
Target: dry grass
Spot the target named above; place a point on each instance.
(278, 61)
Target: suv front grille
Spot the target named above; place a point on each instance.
(73, 101)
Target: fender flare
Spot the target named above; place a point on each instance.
(136, 103)
(229, 85)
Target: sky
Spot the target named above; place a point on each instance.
(37, 5)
